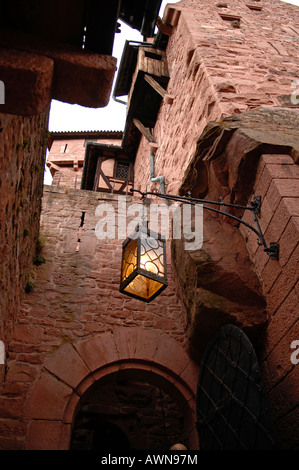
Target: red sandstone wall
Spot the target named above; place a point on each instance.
(76, 296)
(277, 182)
(22, 160)
(218, 70)
(75, 147)
(66, 159)
(68, 177)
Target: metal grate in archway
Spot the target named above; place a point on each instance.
(231, 405)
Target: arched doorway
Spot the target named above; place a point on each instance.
(73, 371)
(98, 434)
(232, 408)
(124, 411)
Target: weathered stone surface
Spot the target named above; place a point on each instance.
(219, 285)
(79, 76)
(67, 365)
(52, 431)
(28, 84)
(228, 152)
(217, 71)
(48, 399)
(242, 157)
(22, 146)
(97, 351)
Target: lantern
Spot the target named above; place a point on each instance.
(143, 271)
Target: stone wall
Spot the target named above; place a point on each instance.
(216, 70)
(22, 160)
(85, 294)
(75, 297)
(242, 157)
(221, 67)
(277, 182)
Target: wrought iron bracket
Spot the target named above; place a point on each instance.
(255, 206)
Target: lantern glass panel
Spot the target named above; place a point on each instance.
(152, 256)
(129, 263)
(143, 266)
(143, 287)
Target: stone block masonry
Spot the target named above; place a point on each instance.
(79, 283)
(43, 70)
(217, 70)
(66, 156)
(277, 182)
(75, 297)
(22, 160)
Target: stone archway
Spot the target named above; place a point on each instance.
(70, 370)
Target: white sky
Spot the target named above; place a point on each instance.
(72, 117)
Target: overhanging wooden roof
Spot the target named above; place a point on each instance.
(77, 22)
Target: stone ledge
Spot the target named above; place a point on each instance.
(80, 77)
(83, 193)
(237, 143)
(28, 82)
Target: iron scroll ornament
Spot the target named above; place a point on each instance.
(272, 250)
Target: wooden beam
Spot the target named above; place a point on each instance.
(164, 27)
(154, 147)
(144, 131)
(158, 88)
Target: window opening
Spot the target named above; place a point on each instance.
(152, 55)
(122, 170)
(80, 231)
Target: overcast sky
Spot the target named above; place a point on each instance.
(71, 117)
(68, 117)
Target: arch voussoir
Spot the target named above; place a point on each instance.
(73, 368)
(67, 365)
(98, 350)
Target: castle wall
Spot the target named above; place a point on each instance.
(22, 160)
(277, 182)
(219, 69)
(76, 298)
(74, 325)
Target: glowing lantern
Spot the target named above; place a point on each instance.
(143, 271)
